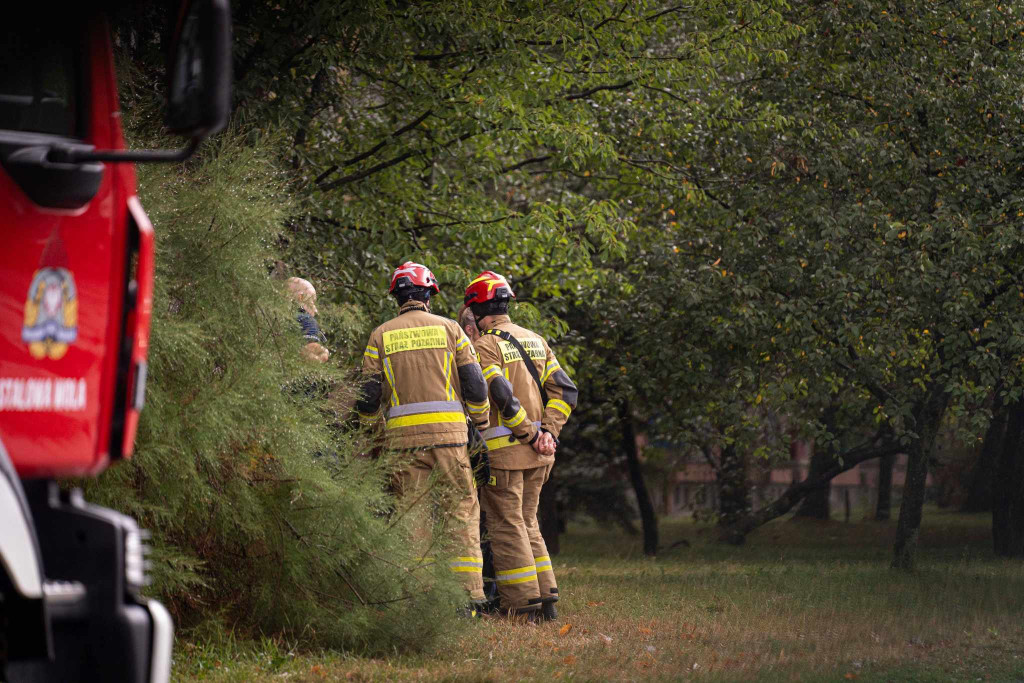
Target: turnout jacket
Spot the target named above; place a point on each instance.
(517, 411)
(420, 368)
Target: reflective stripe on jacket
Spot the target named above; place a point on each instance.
(420, 368)
(511, 431)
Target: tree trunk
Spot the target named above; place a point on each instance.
(548, 517)
(908, 528)
(1008, 489)
(636, 475)
(883, 509)
(816, 504)
(979, 490)
(309, 111)
(797, 490)
(733, 494)
(667, 494)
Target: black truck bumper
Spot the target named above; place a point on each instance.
(101, 628)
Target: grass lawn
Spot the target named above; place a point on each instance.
(806, 601)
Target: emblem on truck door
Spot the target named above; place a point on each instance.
(51, 306)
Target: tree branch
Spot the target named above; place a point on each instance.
(376, 148)
(797, 491)
(662, 13)
(359, 175)
(532, 160)
(596, 89)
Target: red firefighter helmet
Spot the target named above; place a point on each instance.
(488, 286)
(411, 274)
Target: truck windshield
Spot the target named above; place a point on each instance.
(39, 79)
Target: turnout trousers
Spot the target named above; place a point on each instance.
(442, 476)
(522, 566)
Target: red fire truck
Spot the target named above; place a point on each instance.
(76, 279)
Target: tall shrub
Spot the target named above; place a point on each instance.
(261, 515)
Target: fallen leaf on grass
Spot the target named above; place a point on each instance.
(645, 630)
(850, 676)
(570, 660)
(565, 629)
(595, 603)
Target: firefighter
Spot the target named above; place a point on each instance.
(420, 368)
(467, 321)
(528, 410)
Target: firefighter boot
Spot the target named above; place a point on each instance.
(530, 615)
(474, 610)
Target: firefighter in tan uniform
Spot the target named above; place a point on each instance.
(521, 444)
(422, 369)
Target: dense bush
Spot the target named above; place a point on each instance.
(263, 517)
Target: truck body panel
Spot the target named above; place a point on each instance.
(69, 284)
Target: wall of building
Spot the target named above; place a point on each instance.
(692, 487)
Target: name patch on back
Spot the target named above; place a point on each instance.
(415, 339)
(533, 347)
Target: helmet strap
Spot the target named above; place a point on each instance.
(417, 293)
(486, 308)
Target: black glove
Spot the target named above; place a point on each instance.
(478, 458)
(481, 463)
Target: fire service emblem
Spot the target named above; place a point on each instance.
(51, 313)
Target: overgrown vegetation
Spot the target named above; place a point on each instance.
(740, 222)
(264, 518)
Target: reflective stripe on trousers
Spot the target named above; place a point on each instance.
(467, 564)
(521, 575)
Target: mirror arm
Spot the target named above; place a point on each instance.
(68, 155)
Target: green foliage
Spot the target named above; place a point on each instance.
(534, 139)
(262, 517)
(857, 246)
(727, 212)
(471, 134)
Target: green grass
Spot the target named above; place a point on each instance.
(807, 601)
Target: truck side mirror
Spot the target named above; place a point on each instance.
(199, 70)
(198, 94)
